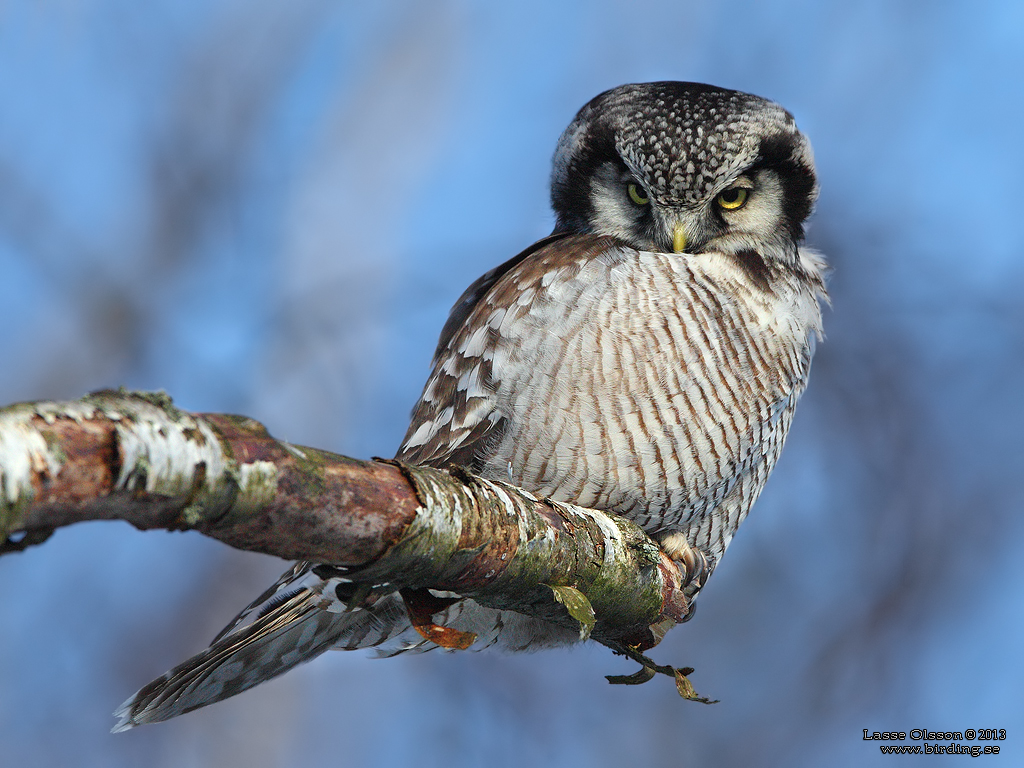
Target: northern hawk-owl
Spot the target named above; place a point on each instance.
(645, 358)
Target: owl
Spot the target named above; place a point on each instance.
(645, 359)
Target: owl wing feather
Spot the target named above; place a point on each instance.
(460, 386)
(457, 419)
(470, 298)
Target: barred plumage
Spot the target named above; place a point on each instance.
(642, 383)
(645, 359)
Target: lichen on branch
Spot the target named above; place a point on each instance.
(120, 455)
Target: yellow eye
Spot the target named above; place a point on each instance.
(636, 196)
(732, 199)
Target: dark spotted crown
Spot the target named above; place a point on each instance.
(681, 140)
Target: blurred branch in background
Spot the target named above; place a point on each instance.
(195, 152)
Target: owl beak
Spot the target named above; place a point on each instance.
(679, 237)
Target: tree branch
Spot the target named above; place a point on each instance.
(135, 457)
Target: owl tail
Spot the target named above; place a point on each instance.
(296, 620)
(311, 609)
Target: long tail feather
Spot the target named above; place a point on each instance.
(294, 632)
(294, 621)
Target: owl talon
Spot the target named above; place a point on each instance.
(698, 569)
(697, 565)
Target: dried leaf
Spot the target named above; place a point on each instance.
(579, 608)
(685, 688)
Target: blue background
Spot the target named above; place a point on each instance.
(268, 208)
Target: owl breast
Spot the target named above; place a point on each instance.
(647, 384)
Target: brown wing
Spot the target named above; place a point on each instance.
(456, 418)
(467, 302)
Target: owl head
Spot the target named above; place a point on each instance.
(685, 167)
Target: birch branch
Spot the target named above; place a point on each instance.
(118, 455)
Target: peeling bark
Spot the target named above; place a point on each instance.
(118, 455)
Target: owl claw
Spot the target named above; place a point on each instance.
(698, 569)
(697, 565)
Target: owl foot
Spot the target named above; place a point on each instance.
(697, 565)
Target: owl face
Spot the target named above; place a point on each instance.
(685, 167)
